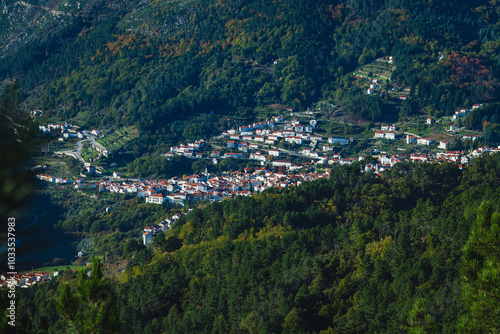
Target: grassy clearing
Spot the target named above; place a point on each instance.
(51, 269)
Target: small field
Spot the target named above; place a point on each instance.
(60, 268)
(378, 69)
(119, 138)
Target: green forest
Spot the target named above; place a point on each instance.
(411, 251)
(151, 63)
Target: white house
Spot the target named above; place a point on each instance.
(298, 128)
(327, 148)
(416, 157)
(282, 163)
(347, 161)
(293, 139)
(410, 139)
(443, 145)
(316, 137)
(259, 138)
(338, 140)
(385, 127)
(146, 238)
(424, 141)
(156, 198)
(274, 152)
(390, 135)
(471, 137)
(306, 151)
(461, 113)
(246, 137)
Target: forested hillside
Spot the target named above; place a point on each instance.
(150, 63)
(411, 250)
(407, 252)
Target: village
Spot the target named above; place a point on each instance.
(24, 280)
(309, 157)
(309, 160)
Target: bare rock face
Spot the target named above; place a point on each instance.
(24, 21)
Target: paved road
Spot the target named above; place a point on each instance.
(92, 140)
(289, 152)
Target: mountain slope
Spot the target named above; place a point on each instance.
(149, 63)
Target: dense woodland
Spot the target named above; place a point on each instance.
(410, 251)
(152, 63)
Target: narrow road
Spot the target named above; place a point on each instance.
(75, 153)
(92, 140)
(289, 152)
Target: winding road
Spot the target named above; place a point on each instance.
(75, 153)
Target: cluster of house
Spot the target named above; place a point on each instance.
(59, 128)
(384, 162)
(373, 85)
(293, 132)
(189, 150)
(464, 112)
(165, 225)
(24, 280)
(386, 132)
(215, 188)
(262, 156)
(90, 169)
(410, 139)
(53, 179)
(470, 137)
(248, 137)
(389, 132)
(67, 131)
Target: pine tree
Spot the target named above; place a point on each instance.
(481, 275)
(92, 306)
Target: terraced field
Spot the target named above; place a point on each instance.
(119, 138)
(380, 69)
